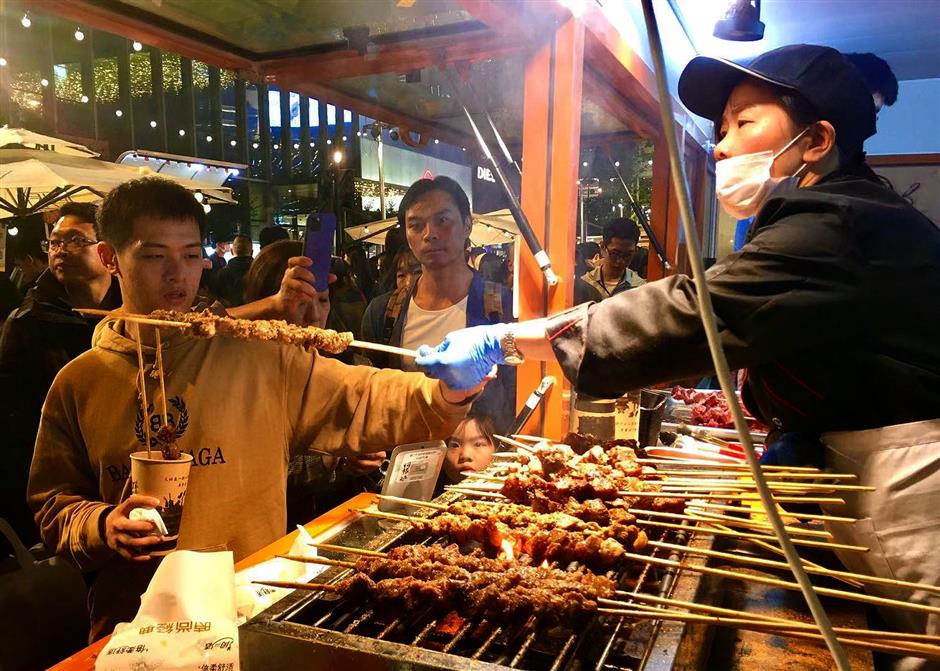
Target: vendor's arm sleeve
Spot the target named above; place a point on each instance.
(795, 285)
(333, 407)
(63, 490)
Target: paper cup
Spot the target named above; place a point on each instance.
(166, 481)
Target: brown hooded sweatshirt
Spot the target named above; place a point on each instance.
(240, 408)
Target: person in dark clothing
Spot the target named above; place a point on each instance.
(223, 246)
(435, 215)
(830, 305)
(10, 297)
(41, 337)
(271, 234)
(493, 268)
(878, 77)
(611, 274)
(228, 284)
(586, 256)
(26, 254)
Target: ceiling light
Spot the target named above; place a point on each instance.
(182, 132)
(44, 81)
(233, 172)
(84, 99)
(79, 35)
(26, 21)
(118, 113)
(137, 45)
(740, 22)
(153, 124)
(394, 135)
(198, 196)
(206, 207)
(13, 230)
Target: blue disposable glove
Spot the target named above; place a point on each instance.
(465, 358)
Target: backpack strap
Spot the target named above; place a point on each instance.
(392, 310)
(493, 301)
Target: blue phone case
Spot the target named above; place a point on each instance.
(318, 246)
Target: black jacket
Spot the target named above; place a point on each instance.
(229, 282)
(833, 305)
(38, 339)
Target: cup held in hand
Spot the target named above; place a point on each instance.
(166, 481)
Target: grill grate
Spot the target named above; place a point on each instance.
(604, 643)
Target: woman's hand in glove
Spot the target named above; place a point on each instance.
(465, 358)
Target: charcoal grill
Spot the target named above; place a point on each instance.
(322, 631)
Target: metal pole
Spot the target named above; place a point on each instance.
(381, 178)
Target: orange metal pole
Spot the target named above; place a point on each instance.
(550, 149)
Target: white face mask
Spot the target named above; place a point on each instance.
(743, 183)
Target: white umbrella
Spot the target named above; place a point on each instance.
(31, 140)
(492, 228)
(33, 181)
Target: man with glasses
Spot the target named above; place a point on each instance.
(41, 337)
(612, 275)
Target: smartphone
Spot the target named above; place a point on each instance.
(318, 246)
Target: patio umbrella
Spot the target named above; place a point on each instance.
(492, 228)
(31, 140)
(34, 180)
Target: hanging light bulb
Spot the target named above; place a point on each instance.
(436, 141)
(3, 62)
(254, 145)
(153, 124)
(13, 230)
(79, 35)
(26, 20)
(344, 138)
(137, 45)
(329, 141)
(207, 208)
(296, 145)
(277, 146)
(44, 81)
(337, 156)
(84, 98)
(198, 196)
(208, 138)
(118, 113)
(233, 143)
(182, 132)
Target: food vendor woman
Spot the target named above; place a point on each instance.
(832, 304)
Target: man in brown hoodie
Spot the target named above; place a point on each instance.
(240, 422)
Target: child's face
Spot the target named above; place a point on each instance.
(467, 450)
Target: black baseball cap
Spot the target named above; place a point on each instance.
(822, 75)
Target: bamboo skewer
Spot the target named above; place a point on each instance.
(130, 317)
(515, 443)
(795, 624)
(777, 475)
(348, 550)
(143, 392)
(728, 520)
(319, 560)
(389, 349)
(898, 648)
(729, 467)
(160, 373)
(413, 502)
(287, 584)
(786, 513)
(723, 531)
(784, 584)
(809, 567)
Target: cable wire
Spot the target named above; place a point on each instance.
(709, 321)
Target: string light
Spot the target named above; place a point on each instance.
(329, 141)
(13, 230)
(25, 21)
(137, 45)
(277, 146)
(153, 124)
(118, 113)
(44, 81)
(79, 35)
(436, 141)
(182, 132)
(254, 145)
(208, 138)
(84, 98)
(296, 145)
(198, 196)
(344, 138)
(3, 62)
(233, 143)
(207, 208)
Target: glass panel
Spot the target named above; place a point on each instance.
(254, 137)
(230, 132)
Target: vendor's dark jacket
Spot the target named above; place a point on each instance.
(833, 306)
(498, 399)
(38, 339)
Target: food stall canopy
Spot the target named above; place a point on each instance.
(209, 172)
(33, 181)
(492, 228)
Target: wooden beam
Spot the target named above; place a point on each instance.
(109, 17)
(531, 21)
(551, 145)
(391, 58)
(635, 116)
